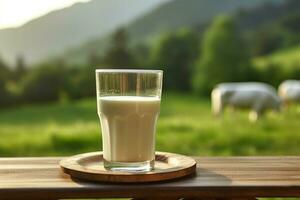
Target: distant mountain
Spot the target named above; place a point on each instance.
(180, 13)
(58, 30)
(170, 16)
(266, 14)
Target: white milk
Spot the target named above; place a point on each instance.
(128, 127)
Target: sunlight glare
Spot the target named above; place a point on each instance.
(15, 13)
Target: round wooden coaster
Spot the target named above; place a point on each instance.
(89, 166)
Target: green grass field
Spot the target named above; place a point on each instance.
(185, 126)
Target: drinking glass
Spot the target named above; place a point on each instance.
(128, 103)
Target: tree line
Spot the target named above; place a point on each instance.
(192, 62)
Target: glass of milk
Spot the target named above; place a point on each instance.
(128, 104)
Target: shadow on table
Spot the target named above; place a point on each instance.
(202, 177)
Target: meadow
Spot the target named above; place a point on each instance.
(185, 126)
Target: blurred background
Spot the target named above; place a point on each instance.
(49, 50)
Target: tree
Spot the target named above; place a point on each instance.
(44, 83)
(20, 68)
(141, 53)
(4, 71)
(94, 59)
(290, 27)
(224, 57)
(81, 82)
(118, 55)
(291, 22)
(175, 53)
(267, 40)
(5, 96)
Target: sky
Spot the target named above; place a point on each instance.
(14, 13)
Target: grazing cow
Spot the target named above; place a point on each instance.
(259, 97)
(289, 91)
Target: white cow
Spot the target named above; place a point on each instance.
(289, 91)
(259, 97)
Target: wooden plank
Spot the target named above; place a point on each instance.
(225, 177)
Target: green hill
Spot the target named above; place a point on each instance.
(175, 14)
(287, 58)
(169, 16)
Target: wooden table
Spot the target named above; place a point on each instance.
(217, 178)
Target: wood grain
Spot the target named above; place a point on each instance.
(217, 177)
(89, 166)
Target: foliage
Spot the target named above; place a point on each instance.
(175, 54)
(20, 68)
(224, 57)
(282, 33)
(119, 55)
(273, 74)
(266, 41)
(141, 52)
(291, 28)
(44, 83)
(4, 71)
(287, 59)
(188, 59)
(270, 26)
(291, 22)
(6, 98)
(80, 82)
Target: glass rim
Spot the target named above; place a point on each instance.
(154, 71)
